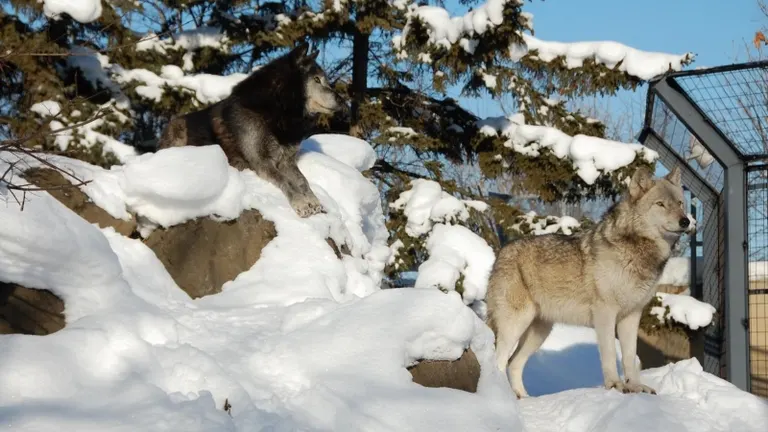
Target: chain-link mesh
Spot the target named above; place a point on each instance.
(757, 294)
(736, 101)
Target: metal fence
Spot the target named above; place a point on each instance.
(713, 123)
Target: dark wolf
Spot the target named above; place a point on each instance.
(601, 278)
(262, 122)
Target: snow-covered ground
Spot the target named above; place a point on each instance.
(302, 341)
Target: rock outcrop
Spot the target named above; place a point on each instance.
(29, 311)
(60, 188)
(460, 374)
(202, 254)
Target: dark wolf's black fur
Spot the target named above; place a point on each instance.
(263, 121)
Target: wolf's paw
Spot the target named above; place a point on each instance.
(306, 205)
(520, 393)
(630, 387)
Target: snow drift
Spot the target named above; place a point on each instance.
(301, 341)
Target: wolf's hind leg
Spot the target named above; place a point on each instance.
(531, 341)
(510, 326)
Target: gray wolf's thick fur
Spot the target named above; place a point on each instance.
(263, 121)
(602, 278)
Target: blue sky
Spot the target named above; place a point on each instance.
(714, 30)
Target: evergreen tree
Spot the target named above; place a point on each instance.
(136, 63)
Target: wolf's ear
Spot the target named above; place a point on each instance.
(313, 55)
(300, 51)
(642, 182)
(675, 176)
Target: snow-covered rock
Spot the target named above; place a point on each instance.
(301, 341)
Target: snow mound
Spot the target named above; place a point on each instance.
(84, 11)
(685, 310)
(344, 148)
(456, 251)
(301, 341)
(565, 376)
(590, 156)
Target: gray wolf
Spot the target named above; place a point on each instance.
(601, 278)
(262, 122)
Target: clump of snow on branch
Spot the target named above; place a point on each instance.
(590, 156)
(84, 11)
(206, 87)
(540, 225)
(683, 309)
(444, 30)
(86, 133)
(188, 40)
(427, 203)
(455, 251)
(641, 64)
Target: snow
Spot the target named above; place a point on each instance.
(444, 31)
(206, 87)
(591, 156)
(688, 399)
(699, 153)
(84, 11)
(426, 203)
(541, 225)
(188, 40)
(685, 310)
(344, 148)
(758, 270)
(47, 108)
(302, 340)
(641, 64)
(454, 250)
(402, 130)
(676, 272)
(86, 134)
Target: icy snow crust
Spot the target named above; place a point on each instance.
(302, 341)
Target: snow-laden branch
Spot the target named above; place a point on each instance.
(540, 225)
(590, 156)
(84, 11)
(641, 64)
(427, 203)
(445, 31)
(188, 40)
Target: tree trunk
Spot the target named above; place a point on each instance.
(359, 79)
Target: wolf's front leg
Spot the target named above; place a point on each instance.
(627, 329)
(604, 321)
(303, 200)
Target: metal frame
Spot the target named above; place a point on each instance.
(734, 196)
